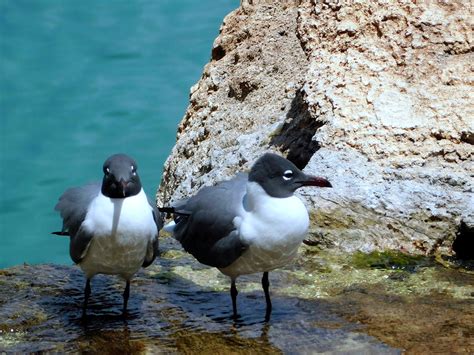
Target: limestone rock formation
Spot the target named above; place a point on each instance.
(376, 96)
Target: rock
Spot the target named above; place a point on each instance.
(242, 99)
(377, 97)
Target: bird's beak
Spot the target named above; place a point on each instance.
(123, 184)
(315, 181)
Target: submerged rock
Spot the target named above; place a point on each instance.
(326, 302)
(375, 96)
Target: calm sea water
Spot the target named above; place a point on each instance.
(79, 81)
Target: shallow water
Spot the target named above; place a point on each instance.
(169, 312)
(326, 302)
(80, 80)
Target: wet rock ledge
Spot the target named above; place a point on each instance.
(380, 303)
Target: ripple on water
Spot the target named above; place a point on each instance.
(166, 313)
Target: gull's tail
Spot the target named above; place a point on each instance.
(62, 234)
(177, 215)
(169, 227)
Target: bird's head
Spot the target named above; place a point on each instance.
(279, 177)
(120, 177)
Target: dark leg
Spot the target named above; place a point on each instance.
(126, 293)
(233, 294)
(265, 284)
(87, 293)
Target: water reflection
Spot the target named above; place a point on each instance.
(168, 312)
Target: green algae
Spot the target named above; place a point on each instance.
(164, 277)
(5, 279)
(322, 274)
(397, 273)
(9, 338)
(389, 259)
(22, 317)
(172, 254)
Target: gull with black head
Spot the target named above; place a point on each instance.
(113, 227)
(251, 223)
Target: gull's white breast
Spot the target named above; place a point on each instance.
(122, 229)
(272, 227)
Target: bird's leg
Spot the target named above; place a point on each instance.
(265, 285)
(126, 293)
(87, 292)
(233, 294)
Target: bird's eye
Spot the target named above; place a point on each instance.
(288, 175)
(106, 171)
(134, 170)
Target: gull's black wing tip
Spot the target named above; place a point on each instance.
(62, 234)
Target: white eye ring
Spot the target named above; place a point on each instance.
(107, 171)
(288, 175)
(134, 171)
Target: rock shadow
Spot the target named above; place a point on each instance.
(463, 244)
(296, 135)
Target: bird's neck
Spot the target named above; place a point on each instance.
(256, 197)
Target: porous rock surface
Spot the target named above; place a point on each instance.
(377, 96)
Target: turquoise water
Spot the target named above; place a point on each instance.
(80, 80)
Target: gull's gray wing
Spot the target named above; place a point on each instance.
(204, 222)
(153, 245)
(73, 205)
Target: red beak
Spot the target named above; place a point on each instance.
(316, 181)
